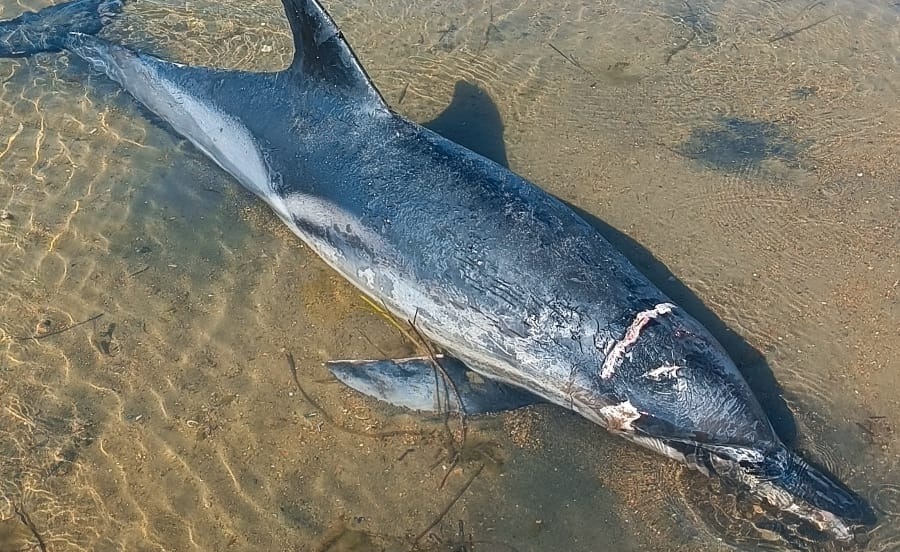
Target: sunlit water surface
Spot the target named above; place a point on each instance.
(743, 154)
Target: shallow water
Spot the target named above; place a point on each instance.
(743, 154)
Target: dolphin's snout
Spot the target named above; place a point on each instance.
(796, 487)
(819, 489)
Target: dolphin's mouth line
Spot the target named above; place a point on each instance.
(746, 469)
(779, 489)
(821, 520)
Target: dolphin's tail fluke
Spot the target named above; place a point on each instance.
(48, 30)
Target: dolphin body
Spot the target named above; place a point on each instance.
(507, 280)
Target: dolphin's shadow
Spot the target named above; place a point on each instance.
(473, 120)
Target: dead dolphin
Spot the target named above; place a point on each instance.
(504, 278)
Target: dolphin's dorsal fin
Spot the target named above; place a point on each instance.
(320, 51)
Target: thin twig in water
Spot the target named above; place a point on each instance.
(390, 318)
(375, 434)
(450, 505)
(441, 375)
(670, 53)
(788, 34)
(136, 272)
(574, 62)
(26, 519)
(490, 27)
(61, 330)
(449, 470)
(492, 545)
(374, 345)
(868, 431)
(567, 57)
(416, 337)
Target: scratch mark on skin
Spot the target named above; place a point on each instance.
(618, 350)
(619, 417)
(666, 371)
(570, 386)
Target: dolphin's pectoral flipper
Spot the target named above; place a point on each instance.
(415, 384)
(46, 30)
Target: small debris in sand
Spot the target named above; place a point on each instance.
(43, 327)
(5, 215)
(521, 425)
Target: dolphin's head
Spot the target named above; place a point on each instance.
(675, 390)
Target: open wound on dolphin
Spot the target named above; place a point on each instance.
(619, 417)
(666, 371)
(617, 352)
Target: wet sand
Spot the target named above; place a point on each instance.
(742, 154)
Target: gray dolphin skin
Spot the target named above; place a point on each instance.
(504, 278)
